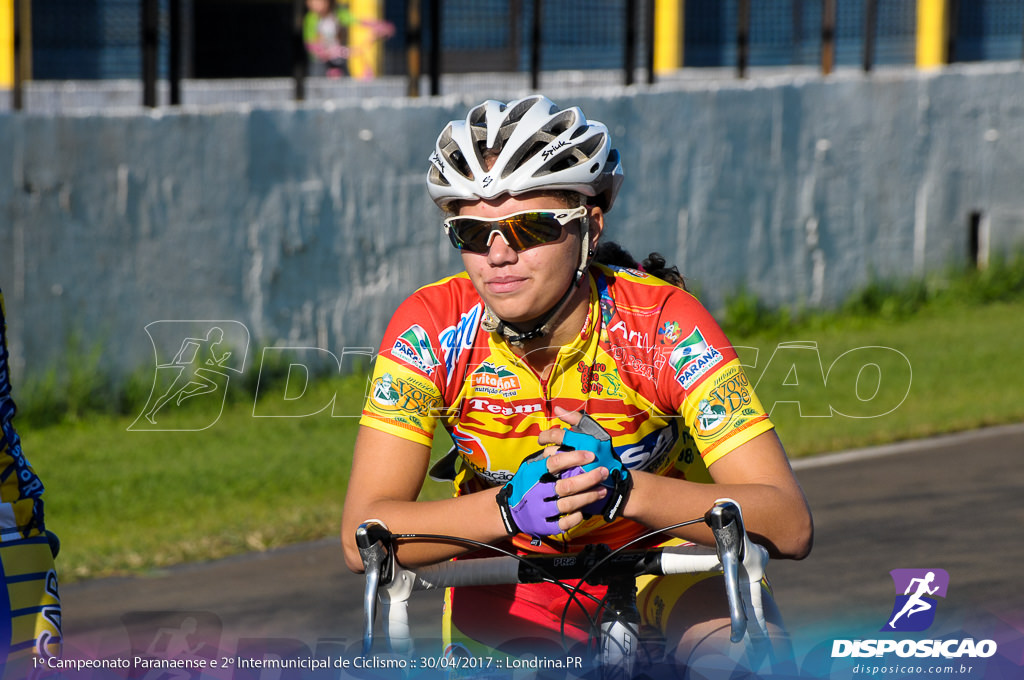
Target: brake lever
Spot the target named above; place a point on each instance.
(726, 524)
(374, 542)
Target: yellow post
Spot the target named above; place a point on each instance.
(932, 33)
(6, 44)
(668, 34)
(363, 39)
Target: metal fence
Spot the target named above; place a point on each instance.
(435, 40)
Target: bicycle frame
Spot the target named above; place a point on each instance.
(741, 561)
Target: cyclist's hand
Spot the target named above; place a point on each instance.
(537, 502)
(587, 435)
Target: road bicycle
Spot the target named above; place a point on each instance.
(616, 634)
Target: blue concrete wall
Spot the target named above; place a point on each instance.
(310, 224)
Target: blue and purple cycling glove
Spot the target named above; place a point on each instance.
(528, 502)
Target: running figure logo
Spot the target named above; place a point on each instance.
(198, 368)
(172, 645)
(916, 589)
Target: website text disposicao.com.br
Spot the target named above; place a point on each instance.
(901, 670)
(907, 658)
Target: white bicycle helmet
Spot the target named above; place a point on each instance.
(534, 146)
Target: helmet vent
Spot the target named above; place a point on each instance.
(477, 117)
(516, 114)
(526, 153)
(458, 162)
(561, 123)
(437, 178)
(566, 161)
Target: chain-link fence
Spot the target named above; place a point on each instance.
(439, 44)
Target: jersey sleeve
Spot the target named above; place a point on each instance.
(702, 378)
(405, 394)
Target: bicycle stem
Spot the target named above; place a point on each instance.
(620, 626)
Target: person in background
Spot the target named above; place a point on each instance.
(31, 628)
(327, 33)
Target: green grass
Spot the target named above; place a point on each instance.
(961, 370)
(130, 501)
(127, 500)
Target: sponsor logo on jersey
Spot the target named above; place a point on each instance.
(650, 453)
(633, 337)
(491, 379)
(476, 457)
(693, 358)
(505, 408)
(413, 347)
(669, 333)
(629, 363)
(597, 378)
(456, 339)
(389, 394)
(384, 391)
(725, 404)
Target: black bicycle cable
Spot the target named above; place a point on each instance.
(576, 589)
(574, 592)
(546, 576)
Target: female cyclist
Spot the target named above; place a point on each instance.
(533, 338)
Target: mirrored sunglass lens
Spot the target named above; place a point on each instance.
(537, 228)
(472, 234)
(519, 231)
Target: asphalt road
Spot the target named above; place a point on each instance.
(954, 503)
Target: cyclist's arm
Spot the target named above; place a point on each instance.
(387, 474)
(757, 475)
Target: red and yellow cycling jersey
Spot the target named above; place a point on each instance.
(650, 365)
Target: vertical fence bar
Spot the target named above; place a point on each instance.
(535, 37)
(434, 57)
(649, 27)
(514, 39)
(974, 250)
(742, 38)
(666, 33)
(150, 43)
(828, 36)
(21, 20)
(629, 58)
(413, 46)
(952, 29)
(870, 28)
(300, 60)
(932, 33)
(174, 52)
(798, 31)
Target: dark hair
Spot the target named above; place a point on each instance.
(611, 253)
